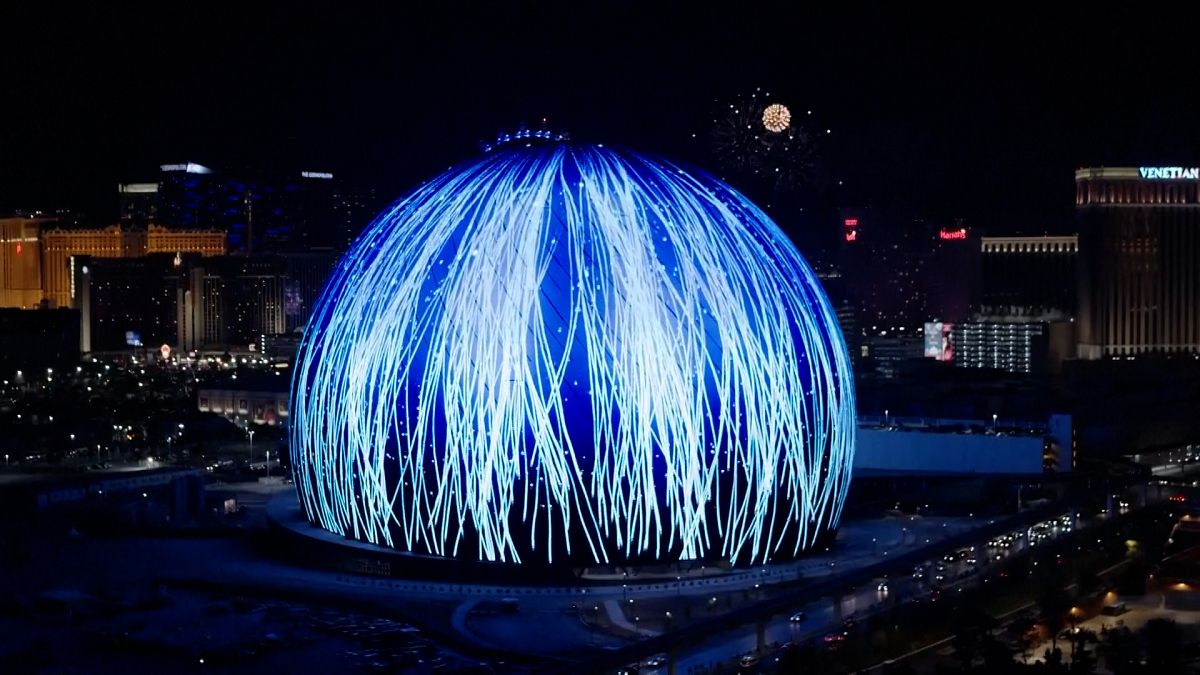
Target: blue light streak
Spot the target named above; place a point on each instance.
(574, 352)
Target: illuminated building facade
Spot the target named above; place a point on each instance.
(1139, 261)
(1029, 276)
(902, 270)
(189, 302)
(307, 272)
(161, 239)
(232, 301)
(60, 245)
(253, 293)
(20, 262)
(261, 213)
(1012, 346)
(565, 354)
(127, 302)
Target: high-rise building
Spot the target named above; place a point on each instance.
(20, 262)
(307, 272)
(191, 196)
(1139, 260)
(888, 353)
(883, 258)
(139, 204)
(127, 302)
(1030, 277)
(952, 272)
(253, 293)
(161, 239)
(1012, 346)
(902, 271)
(260, 214)
(189, 302)
(59, 245)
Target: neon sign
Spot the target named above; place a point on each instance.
(852, 235)
(850, 222)
(947, 235)
(1169, 173)
(190, 167)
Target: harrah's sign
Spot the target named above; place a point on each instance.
(1169, 172)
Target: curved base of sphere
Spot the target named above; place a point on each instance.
(295, 539)
(779, 531)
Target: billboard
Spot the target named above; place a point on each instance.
(937, 341)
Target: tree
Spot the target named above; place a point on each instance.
(1119, 649)
(997, 656)
(1021, 629)
(1083, 660)
(1053, 603)
(1163, 644)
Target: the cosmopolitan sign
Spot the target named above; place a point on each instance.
(1169, 172)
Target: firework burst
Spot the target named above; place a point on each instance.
(756, 138)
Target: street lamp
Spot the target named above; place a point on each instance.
(994, 421)
(251, 432)
(268, 463)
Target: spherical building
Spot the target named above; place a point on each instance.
(574, 354)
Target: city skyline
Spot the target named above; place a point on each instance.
(916, 115)
(621, 338)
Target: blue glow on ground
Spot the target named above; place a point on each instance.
(573, 351)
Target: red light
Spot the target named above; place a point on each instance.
(19, 248)
(960, 233)
(852, 235)
(850, 222)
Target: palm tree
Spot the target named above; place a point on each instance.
(1163, 641)
(1054, 604)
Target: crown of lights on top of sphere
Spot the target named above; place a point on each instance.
(574, 353)
(524, 133)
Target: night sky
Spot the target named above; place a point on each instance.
(984, 118)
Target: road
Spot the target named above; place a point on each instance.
(825, 616)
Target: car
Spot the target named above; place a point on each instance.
(655, 661)
(882, 587)
(1115, 609)
(748, 660)
(798, 617)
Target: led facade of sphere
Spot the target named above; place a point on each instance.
(568, 353)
